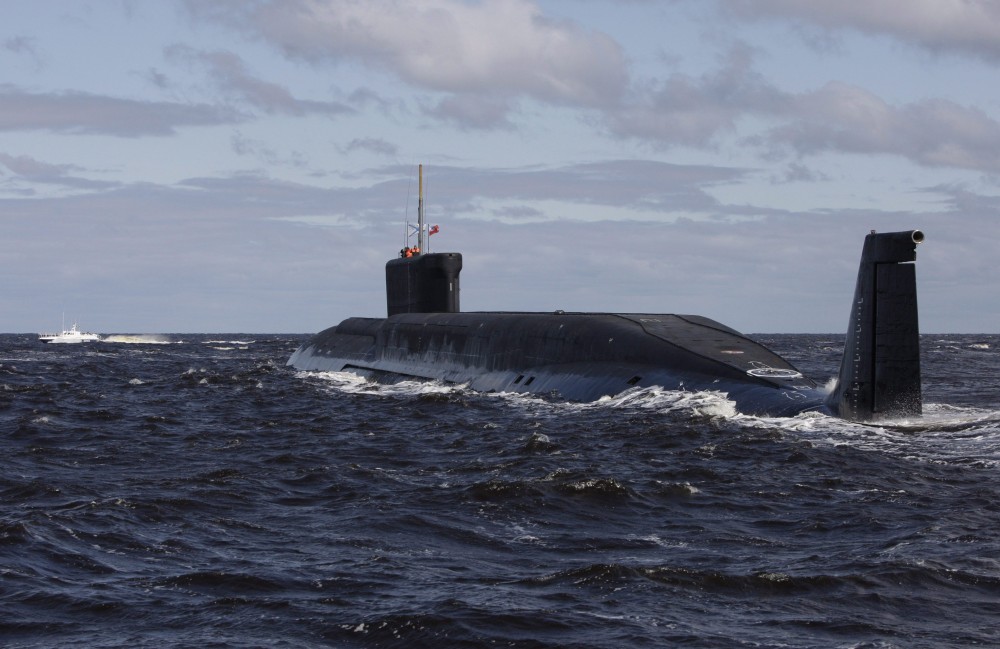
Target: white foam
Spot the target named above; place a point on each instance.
(710, 403)
(944, 433)
(139, 339)
(704, 403)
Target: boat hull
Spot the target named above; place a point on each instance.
(59, 339)
(573, 356)
(70, 336)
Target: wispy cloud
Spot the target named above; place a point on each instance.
(837, 117)
(682, 110)
(933, 132)
(372, 145)
(28, 169)
(232, 77)
(970, 27)
(86, 113)
(25, 46)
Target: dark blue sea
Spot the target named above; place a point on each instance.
(193, 491)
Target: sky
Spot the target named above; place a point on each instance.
(250, 165)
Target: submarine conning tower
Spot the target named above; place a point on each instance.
(419, 281)
(425, 283)
(880, 372)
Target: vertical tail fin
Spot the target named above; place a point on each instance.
(880, 373)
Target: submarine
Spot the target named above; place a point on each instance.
(586, 356)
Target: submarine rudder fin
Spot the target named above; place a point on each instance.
(880, 372)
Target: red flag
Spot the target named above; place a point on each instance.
(434, 230)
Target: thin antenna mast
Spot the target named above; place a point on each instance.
(406, 214)
(421, 228)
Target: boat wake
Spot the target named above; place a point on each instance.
(944, 433)
(139, 339)
(239, 343)
(699, 404)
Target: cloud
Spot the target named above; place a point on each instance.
(244, 146)
(478, 61)
(157, 78)
(226, 253)
(371, 145)
(838, 117)
(797, 172)
(474, 110)
(624, 187)
(229, 71)
(26, 168)
(24, 46)
(933, 132)
(683, 110)
(19, 44)
(501, 49)
(29, 167)
(958, 26)
(85, 113)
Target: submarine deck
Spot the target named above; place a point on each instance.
(579, 356)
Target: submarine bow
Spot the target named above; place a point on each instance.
(585, 356)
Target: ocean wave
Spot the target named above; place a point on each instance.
(204, 497)
(702, 403)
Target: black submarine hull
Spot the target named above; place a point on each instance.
(572, 356)
(587, 356)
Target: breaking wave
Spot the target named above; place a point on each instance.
(140, 339)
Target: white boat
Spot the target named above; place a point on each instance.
(72, 335)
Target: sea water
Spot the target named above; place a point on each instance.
(193, 491)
